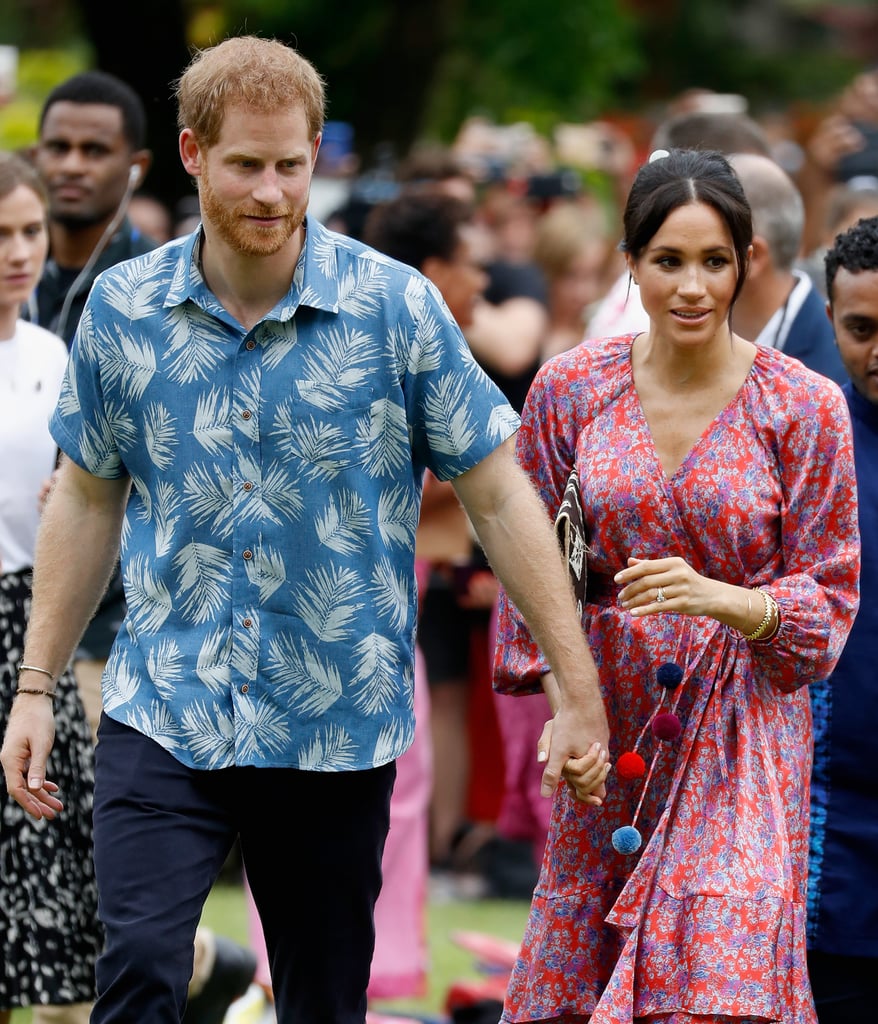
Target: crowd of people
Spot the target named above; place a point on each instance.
(276, 530)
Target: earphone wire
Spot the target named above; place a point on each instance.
(103, 242)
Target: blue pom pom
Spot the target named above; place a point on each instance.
(626, 839)
(669, 675)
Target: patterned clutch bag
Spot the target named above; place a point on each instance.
(570, 531)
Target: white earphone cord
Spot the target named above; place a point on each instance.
(103, 241)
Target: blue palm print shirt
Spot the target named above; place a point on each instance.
(268, 542)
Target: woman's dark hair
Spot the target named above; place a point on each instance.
(682, 177)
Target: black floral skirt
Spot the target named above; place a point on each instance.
(49, 931)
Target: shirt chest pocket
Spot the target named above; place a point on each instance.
(329, 426)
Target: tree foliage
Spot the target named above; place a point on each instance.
(399, 71)
(405, 70)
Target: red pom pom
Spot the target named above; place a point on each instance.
(630, 766)
(666, 726)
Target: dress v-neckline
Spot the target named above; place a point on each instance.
(699, 441)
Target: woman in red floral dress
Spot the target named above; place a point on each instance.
(719, 501)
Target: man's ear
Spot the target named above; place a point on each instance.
(190, 153)
(760, 257)
(748, 259)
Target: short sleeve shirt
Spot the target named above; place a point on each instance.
(268, 542)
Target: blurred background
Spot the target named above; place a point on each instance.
(572, 83)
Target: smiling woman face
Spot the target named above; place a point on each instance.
(687, 276)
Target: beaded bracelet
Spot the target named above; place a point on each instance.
(32, 689)
(771, 612)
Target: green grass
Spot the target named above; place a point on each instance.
(449, 963)
(226, 913)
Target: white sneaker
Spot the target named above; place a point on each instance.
(252, 1008)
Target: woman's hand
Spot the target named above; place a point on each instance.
(653, 585)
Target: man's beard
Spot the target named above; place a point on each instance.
(241, 234)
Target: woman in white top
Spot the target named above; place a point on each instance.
(48, 902)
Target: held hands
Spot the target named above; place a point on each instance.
(585, 776)
(30, 733)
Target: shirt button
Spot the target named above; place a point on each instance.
(246, 414)
(248, 554)
(247, 623)
(250, 345)
(245, 688)
(248, 486)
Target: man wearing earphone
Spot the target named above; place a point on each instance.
(91, 154)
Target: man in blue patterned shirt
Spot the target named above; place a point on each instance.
(251, 409)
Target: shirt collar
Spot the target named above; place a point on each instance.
(774, 333)
(315, 280)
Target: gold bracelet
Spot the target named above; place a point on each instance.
(772, 633)
(770, 612)
(44, 693)
(34, 668)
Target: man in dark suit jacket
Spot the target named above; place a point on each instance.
(778, 305)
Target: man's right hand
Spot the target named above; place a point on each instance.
(30, 733)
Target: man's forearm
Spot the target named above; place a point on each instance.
(524, 553)
(527, 560)
(518, 538)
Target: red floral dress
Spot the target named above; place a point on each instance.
(707, 918)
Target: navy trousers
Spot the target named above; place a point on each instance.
(311, 844)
